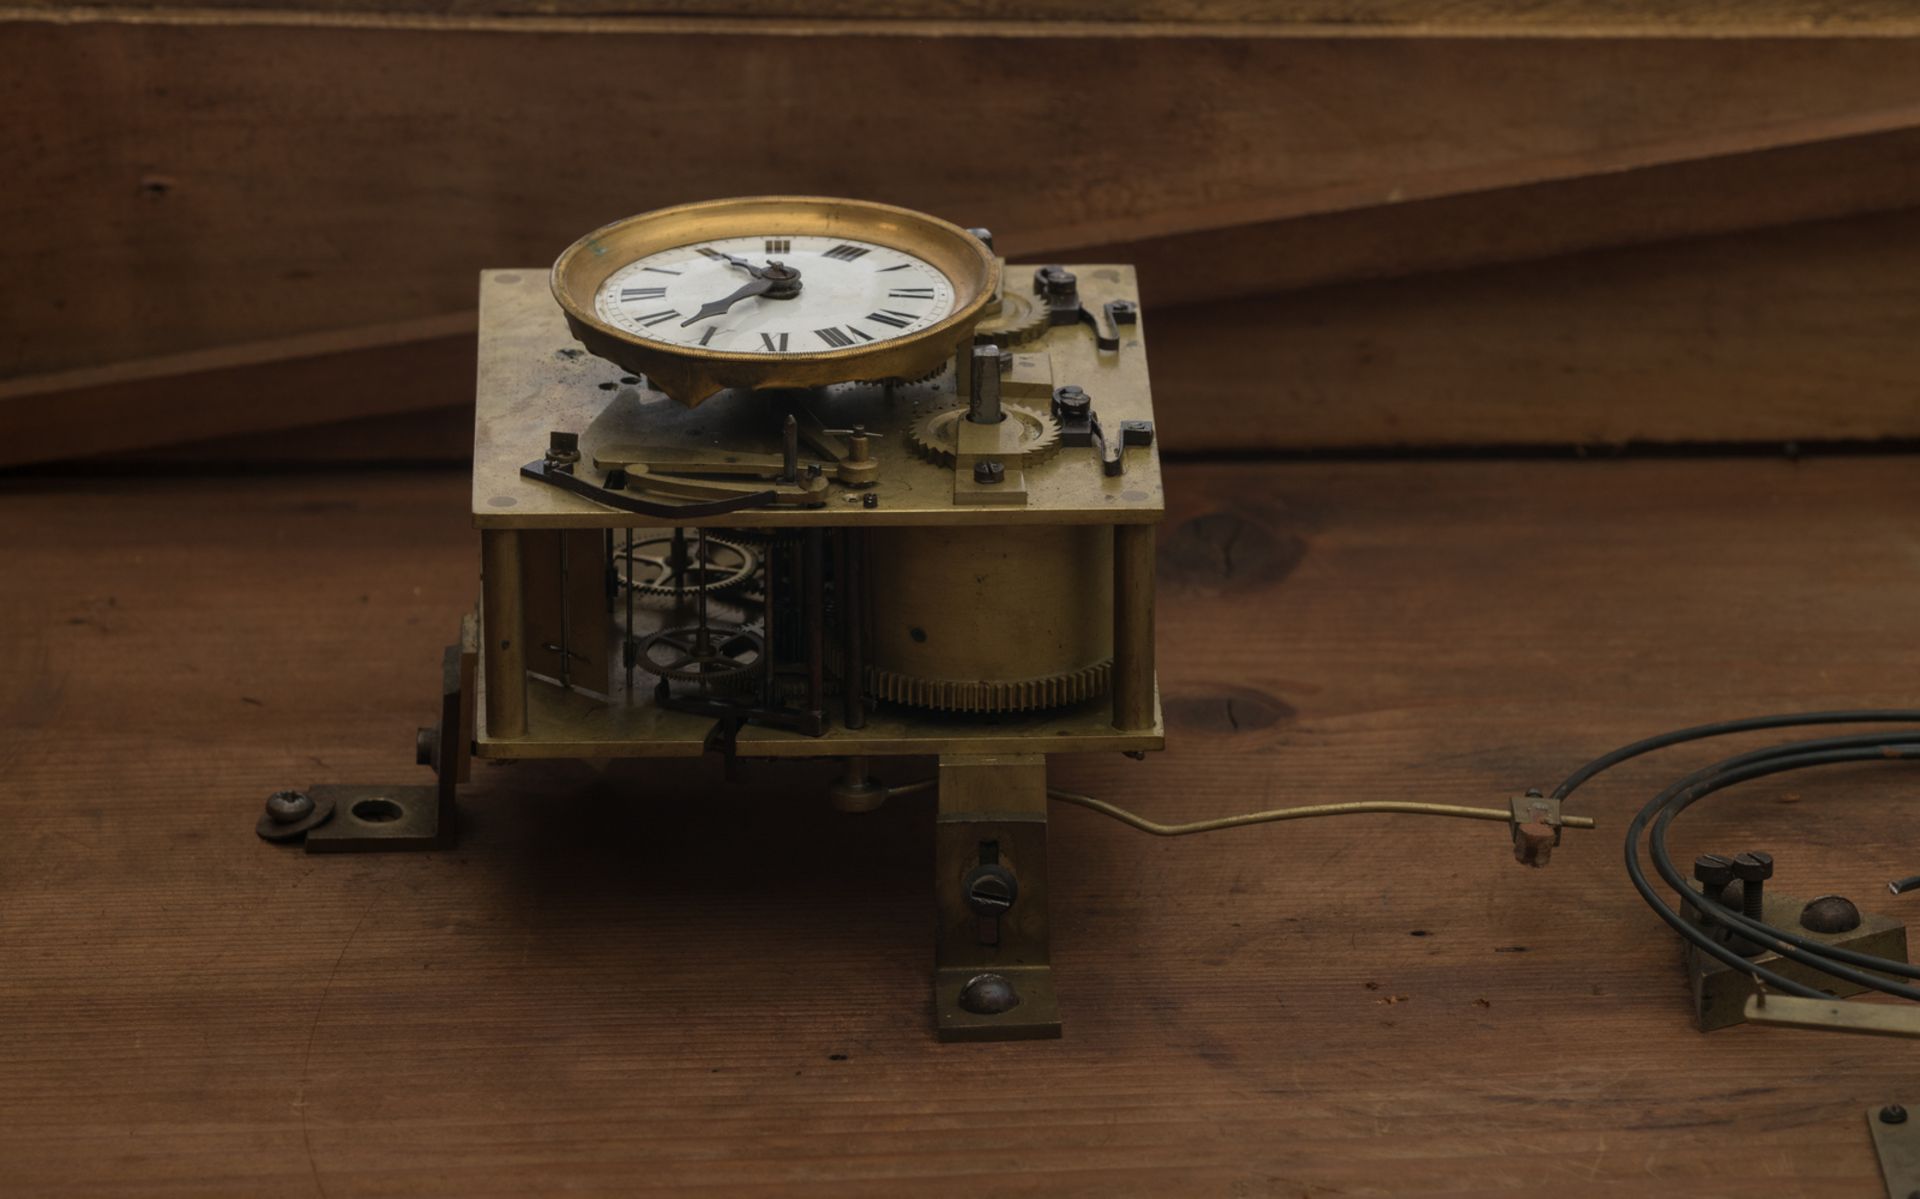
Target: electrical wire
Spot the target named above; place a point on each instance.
(1356, 808)
(1827, 751)
(1723, 728)
(1828, 959)
(1657, 816)
(1653, 822)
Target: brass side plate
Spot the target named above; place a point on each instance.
(533, 380)
(571, 724)
(1897, 1143)
(1834, 1015)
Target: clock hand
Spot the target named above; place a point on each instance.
(759, 286)
(742, 263)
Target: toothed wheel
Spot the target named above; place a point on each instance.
(1012, 695)
(724, 655)
(929, 376)
(1021, 319)
(936, 437)
(650, 570)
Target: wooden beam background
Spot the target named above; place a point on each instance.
(1330, 230)
(1281, 18)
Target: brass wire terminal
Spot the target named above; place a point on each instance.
(1539, 826)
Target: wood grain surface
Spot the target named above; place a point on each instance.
(1345, 18)
(646, 980)
(1798, 333)
(284, 221)
(240, 183)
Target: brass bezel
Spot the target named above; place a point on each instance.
(690, 374)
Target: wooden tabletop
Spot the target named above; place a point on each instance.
(648, 979)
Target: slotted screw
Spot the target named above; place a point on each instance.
(1753, 869)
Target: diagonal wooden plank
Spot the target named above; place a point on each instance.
(1669, 202)
(401, 161)
(1252, 18)
(285, 384)
(1801, 333)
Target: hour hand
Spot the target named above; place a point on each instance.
(742, 263)
(760, 286)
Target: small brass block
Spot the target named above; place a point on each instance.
(978, 784)
(993, 812)
(1030, 379)
(1037, 1017)
(1720, 991)
(1010, 491)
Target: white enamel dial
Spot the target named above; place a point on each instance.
(848, 293)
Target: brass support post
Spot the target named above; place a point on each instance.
(503, 634)
(851, 589)
(993, 979)
(1132, 627)
(813, 603)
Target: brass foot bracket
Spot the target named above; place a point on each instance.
(992, 977)
(357, 818)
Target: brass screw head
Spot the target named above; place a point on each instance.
(286, 807)
(989, 995)
(1055, 282)
(1713, 869)
(1830, 914)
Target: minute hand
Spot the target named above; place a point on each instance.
(755, 288)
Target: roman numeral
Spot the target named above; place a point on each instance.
(860, 333)
(710, 252)
(846, 253)
(903, 266)
(766, 342)
(654, 318)
(629, 294)
(888, 316)
(833, 337)
(659, 270)
(779, 245)
(707, 336)
(911, 293)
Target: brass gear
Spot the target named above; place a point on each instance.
(1021, 319)
(928, 377)
(992, 696)
(727, 564)
(729, 655)
(933, 436)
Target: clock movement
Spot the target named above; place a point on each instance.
(788, 478)
(785, 478)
